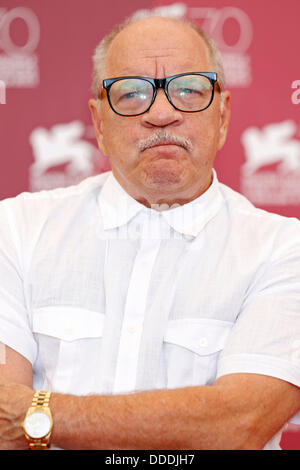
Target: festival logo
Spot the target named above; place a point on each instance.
(236, 60)
(271, 173)
(63, 156)
(18, 62)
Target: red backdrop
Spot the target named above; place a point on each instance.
(45, 77)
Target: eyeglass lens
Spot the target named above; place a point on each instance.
(187, 93)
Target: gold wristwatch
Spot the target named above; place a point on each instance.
(38, 422)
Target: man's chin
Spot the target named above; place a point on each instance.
(163, 172)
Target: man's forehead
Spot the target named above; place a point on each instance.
(157, 33)
(152, 63)
(152, 51)
(144, 53)
(140, 52)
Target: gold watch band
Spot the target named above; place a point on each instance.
(41, 398)
(40, 401)
(39, 444)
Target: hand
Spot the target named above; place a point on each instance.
(15, 399)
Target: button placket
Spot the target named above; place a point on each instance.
(132, 327)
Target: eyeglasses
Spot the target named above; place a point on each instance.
(187, 92)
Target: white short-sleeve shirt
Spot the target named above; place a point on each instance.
(105, 296)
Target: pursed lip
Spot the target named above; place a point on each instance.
(164, 143)
(164, 151)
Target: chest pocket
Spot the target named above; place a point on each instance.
(191, 350)
(69, 342)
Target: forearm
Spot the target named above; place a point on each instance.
(189, 418)
(239, 411)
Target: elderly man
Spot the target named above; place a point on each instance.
(150, 307)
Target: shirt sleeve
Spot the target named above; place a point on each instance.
(15, 330)
(266, 336)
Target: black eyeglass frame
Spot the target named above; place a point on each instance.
(160, 83)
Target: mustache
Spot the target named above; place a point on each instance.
(164, 137)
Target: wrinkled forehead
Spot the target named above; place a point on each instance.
(157, 43)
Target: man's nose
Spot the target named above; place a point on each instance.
(161, 113)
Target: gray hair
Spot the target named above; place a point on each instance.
(99, 57)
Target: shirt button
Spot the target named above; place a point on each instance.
(131, 329)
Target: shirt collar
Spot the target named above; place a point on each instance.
(189, 219)
(118, 208)
(116, 205)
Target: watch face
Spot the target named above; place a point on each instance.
(37, 425)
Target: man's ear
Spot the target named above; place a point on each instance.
(224, 117)
(94, 106)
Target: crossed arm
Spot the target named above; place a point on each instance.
(239, 411)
